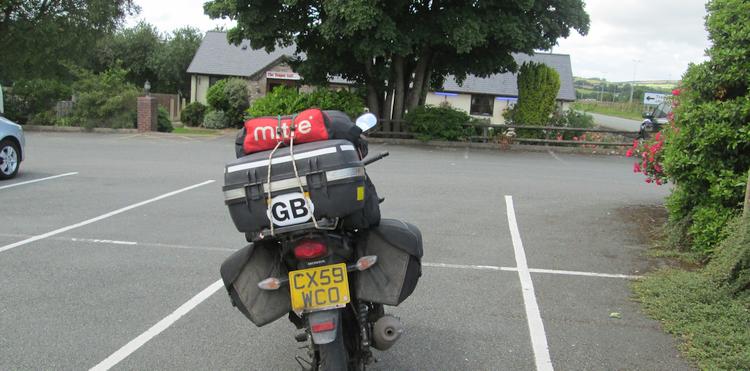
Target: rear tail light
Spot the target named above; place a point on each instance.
(310, 249)
(323, 326)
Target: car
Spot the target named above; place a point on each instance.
(658, 116)
(12, 144)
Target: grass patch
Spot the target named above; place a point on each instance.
(622, 110)
(714, 326)
(195, 131)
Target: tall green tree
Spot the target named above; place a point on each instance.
(146, 54)
(398, 49)
(708, 154)
(132, 49)
(538, 85)
(38, 37)
(172, 59)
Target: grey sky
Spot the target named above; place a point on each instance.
(665, 35)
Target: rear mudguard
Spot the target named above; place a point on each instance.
(326, 316)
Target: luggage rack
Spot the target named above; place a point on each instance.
(324, 224)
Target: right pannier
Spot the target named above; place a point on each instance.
(398, 246)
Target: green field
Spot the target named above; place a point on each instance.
(623, 110)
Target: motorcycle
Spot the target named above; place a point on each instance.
(332, 281)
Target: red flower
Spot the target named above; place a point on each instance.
(636, 168)
(648, 180)
(676, 92)
(629, 153)
(635, 143)
(658, 135)
(658, 181)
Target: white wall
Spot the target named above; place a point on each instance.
(198, 88)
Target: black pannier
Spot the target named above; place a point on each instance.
(398, 246)
(331, 172)
(241, 273)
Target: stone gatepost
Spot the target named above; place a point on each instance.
(148, 110)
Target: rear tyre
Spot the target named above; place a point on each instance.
(9, 157)
(333, 356)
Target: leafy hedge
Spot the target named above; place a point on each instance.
(230, 96)
(105, 99)
(707, 154)
(439, 122)
(192, 114)
(285, 101)
(163, 123)
(36, 97)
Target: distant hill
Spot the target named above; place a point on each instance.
(601, 89)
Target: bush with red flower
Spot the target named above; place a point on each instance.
(648, 157)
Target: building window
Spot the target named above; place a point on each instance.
(213, 80)
(481, 105)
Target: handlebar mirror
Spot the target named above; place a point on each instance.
(366, 121)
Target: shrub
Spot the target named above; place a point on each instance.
(216, 98)
(439, 122)
(46, 118)
(192, 114)
(285, 101)
(33, 97)
(538, 85)
(215, 120)
(163, 123)
(230, 96)
(105, 99)
(571, 119)
(731, 263)
(707, 154)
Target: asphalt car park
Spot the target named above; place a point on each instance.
(115, 263)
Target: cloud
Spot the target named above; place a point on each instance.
(665, 36)
(168, 15)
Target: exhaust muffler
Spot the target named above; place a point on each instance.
(386, 331)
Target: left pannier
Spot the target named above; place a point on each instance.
(241, 273)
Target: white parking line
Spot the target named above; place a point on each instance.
(532, 270)
(533, 317)
(37, 180)
(100, 217)
(156, 329)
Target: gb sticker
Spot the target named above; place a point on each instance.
(289, 209)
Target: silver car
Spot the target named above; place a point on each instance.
(11, 148)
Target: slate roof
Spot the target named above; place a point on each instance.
(216, 56)
(504, 84)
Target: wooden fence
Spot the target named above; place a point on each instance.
(509, 134)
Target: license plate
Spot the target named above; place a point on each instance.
(319, 287)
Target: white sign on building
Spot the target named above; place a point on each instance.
(653, 98)
(283, 75)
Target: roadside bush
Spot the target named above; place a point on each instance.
(192, 114)
(707, 152)
(730, 265)
(215, 120)
(163, 123)
(230, 96)
(439, 122)
(286, 101)
(571, 119)
(105, 99)
(46, 118)
(33, 97)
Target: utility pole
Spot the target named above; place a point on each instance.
(632, 85)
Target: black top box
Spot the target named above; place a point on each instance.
(331, 173)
